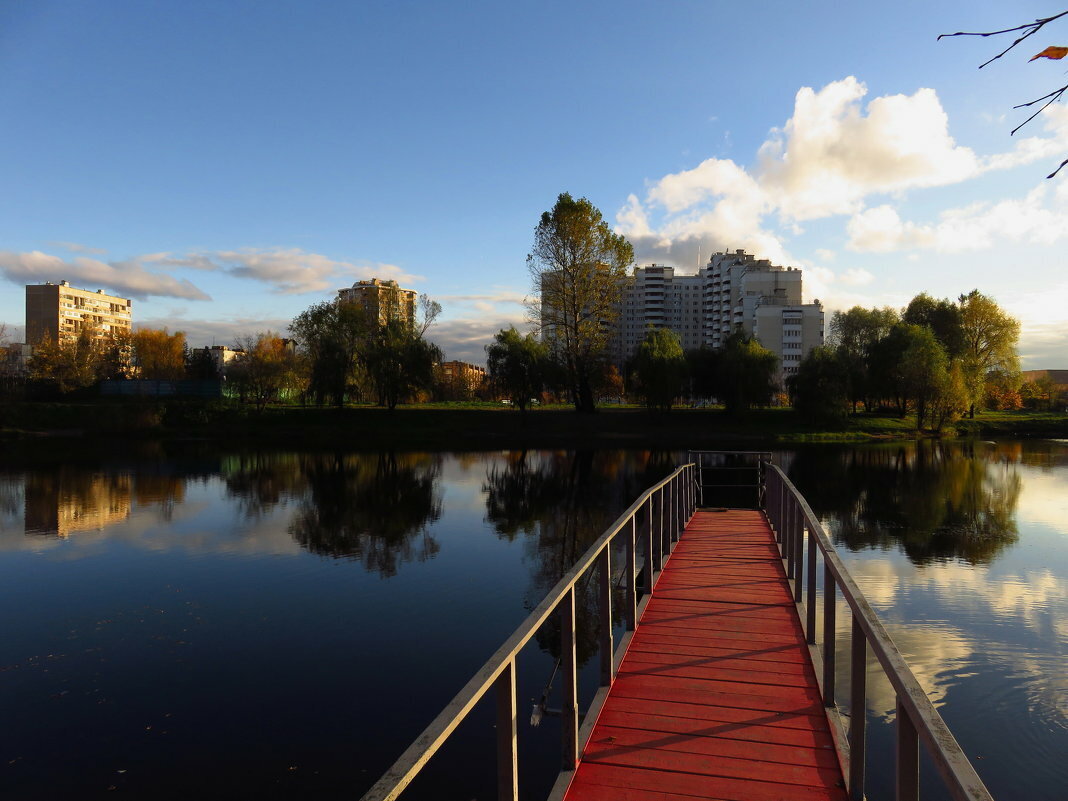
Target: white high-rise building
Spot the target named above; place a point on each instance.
(732, 292)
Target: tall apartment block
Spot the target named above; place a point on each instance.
(732, 292)
(61, 311)
(656, 297)
(382, 300)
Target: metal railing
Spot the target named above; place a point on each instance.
(731, 463)
(916, 719)
(661, 512)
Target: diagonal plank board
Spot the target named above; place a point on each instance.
(716, 697)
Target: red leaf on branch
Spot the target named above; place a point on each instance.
(1051, 52)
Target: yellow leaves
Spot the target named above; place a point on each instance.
(1052, 51)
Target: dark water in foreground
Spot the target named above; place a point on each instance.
(282, 625)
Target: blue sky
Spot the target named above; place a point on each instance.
(227, 164)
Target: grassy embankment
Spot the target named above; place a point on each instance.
(468, 426)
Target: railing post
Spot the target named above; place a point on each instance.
(569, 665)
(660, 529)
(673, 513)
(630, 605)
(799, 553)
(781, 506)
(650, 556)
(828, 633)
(507, 743)
(907, 787)
(607, 669)
(858, 670)
(811, 610)
(788, 537)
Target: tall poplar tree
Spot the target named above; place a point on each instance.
(577, 265)
(989, 335)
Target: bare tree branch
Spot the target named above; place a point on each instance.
(1053, 96)
(1032, 28)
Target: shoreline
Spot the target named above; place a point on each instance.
(450, 428)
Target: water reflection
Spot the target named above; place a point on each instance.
(562, 501)
(934, 500)
(70, 500)
(373, 508)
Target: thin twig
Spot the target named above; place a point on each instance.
(1053, 96)
(1031, 28)
(1058, 169)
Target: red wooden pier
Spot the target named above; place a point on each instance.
(722, 685)
(716, 697)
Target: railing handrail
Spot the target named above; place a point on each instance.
(408, 765)
(949, 758)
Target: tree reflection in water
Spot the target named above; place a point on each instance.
(263, 481)
(373, 508)
(935, 500)
(562, 501)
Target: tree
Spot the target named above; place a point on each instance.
(159, 354)
(577, 265)
(660, 367)
(269, 367)
(856, 333)
(921, 370)
(330, 335)
(1028, 30)
(70, 363)
(747, 373)
(1038, 393)
(942, 317)
(989, 343)
(516, 365)
(399, 361)
(819, 390)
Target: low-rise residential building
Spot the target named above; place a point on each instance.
(462, 379)
(219, 355)
(14, 358)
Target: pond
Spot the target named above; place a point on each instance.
(181, 619)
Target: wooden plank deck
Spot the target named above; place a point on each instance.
(716, 697)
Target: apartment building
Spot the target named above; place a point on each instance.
(732, 292)
(61, 311)
(657, 297)
(219, 355)
(382, 300)
(462, 378)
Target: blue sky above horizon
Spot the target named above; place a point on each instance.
(228, 164)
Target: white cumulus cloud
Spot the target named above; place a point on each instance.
(830, 158)
(1040, 217)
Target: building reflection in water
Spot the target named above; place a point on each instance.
(69, 501)
(66, 502)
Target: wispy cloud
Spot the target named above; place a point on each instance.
(75, 247)
(124, 278)
(288, 271)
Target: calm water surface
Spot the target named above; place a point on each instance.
(282, 625)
